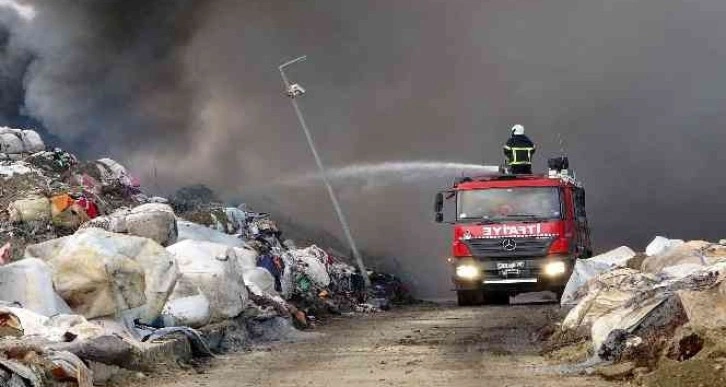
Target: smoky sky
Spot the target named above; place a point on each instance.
(188, 91)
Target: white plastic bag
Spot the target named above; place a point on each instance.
(192, 311)
(660, 245)
(31, 209)
(11, 141)
(681, 271)
(32, 142)
(237, 218)
(691, 252)
(585, 269)
(207, 267)
(103, 274)
(245, 258)
(29, 283)
(153, 220)
(111, 171)
(260, 281)
(8, 171)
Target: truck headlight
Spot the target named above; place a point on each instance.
(468, 272)
(554, 269)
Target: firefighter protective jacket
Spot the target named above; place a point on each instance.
(519, 150)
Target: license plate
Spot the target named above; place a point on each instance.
(510, 265)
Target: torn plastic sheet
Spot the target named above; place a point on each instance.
(586, 269)
(24, 372)
(691, 252)
(660, 245)
(197, 232)
(199, 344)
(625, 318)
(605, 293)
(70, 367)
(29, 282)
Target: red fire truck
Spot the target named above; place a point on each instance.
(514, 233)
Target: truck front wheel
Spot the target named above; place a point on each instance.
(469, 297)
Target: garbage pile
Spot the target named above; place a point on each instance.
(641, 315)
(95, 273)
(46, 194)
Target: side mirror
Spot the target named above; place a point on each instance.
(439, 203)
(439, 207)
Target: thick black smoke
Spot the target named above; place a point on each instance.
(105, 76)
(189, 92)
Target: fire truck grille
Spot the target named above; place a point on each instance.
(504, 248)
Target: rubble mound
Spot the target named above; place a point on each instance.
(649, 313)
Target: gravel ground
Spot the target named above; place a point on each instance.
(432, 345)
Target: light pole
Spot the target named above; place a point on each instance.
(293, 90)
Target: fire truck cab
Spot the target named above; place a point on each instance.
(514, 233)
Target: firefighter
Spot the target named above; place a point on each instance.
(519, 150)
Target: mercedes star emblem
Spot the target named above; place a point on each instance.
(509, 244)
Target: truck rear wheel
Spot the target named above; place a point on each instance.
(469, 297)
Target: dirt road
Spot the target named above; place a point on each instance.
(413, 346)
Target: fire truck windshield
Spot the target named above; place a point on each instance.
(505, 204)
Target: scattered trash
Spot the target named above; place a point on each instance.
(274, 329)
(198, 342)
(8, 171)
(304, 269)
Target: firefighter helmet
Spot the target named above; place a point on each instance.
(517, 129)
